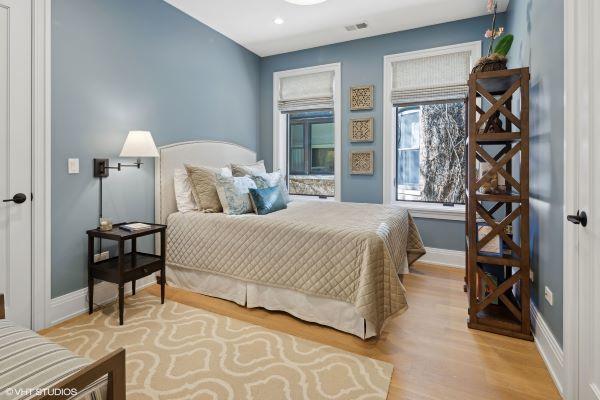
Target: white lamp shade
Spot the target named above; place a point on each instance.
(139, 144)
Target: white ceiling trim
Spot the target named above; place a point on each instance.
(250, 22)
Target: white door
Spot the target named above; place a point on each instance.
(15, 158)
(588, 201)
(589, 247)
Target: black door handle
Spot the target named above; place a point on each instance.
(17, 198)
(580, 218)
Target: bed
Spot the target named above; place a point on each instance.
(336, 264)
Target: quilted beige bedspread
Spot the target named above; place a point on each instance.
(345, 251)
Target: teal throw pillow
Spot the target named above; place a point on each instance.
(267, 200)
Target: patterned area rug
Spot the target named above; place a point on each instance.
(179, 352)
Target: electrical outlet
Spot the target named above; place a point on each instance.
(549, 296)
(101, 257)
(531, 275)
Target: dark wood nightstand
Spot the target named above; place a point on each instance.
(125, 267)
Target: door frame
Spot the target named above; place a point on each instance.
(41, 23)
(577, 131)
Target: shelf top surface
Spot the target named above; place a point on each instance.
(117, 233)
(498, 82)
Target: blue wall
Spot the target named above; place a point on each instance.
(538, 29)
(142, 64)
(125, 65)
(362, 63)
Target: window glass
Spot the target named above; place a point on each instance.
(408, 168)
(311, 153)
(297, 158)
(409, 129)
(430, 152)
(297, 134)
(322, 146)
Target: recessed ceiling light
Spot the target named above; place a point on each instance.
(306, 2)
(278, 21)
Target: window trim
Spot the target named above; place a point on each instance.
(417, 209)
(280, 148)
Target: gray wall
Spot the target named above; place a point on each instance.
(124, 65)
(538, 29)
(362, 63)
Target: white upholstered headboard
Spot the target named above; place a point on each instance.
(201, 152)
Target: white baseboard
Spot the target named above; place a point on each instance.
(549, 349)
(448, 258)
(75, 303)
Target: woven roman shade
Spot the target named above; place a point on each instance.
(306, 92)
(432, 78)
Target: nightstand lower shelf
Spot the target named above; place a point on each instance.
(135, 266)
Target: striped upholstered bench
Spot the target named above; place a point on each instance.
(33, 367)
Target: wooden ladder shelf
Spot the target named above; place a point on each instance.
(497, 229)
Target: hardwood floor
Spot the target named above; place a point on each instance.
(435, 355)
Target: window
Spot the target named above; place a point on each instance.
(307, 130)
(311, 153)
(424, 130)
(430, 158)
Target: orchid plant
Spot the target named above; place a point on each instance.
(504, 44)
(495, 32)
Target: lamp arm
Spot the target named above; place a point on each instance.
(137, 164)
(101, 166)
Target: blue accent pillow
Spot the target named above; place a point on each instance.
(267, 200)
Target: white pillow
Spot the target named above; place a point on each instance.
(248, 169)
(264, 180)
(226, 172)
(183, 191)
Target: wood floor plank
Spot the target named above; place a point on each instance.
(435, 355)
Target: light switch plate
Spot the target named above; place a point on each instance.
(549, 295)
(73, 165)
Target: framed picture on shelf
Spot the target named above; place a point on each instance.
(487, 289)
(496, 184)
(494, 247)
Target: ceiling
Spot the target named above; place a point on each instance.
(250, 22)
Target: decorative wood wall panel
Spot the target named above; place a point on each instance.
(361, 97)
(361, 162)
(361, 130)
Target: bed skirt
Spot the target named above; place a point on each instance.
(333, 313)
